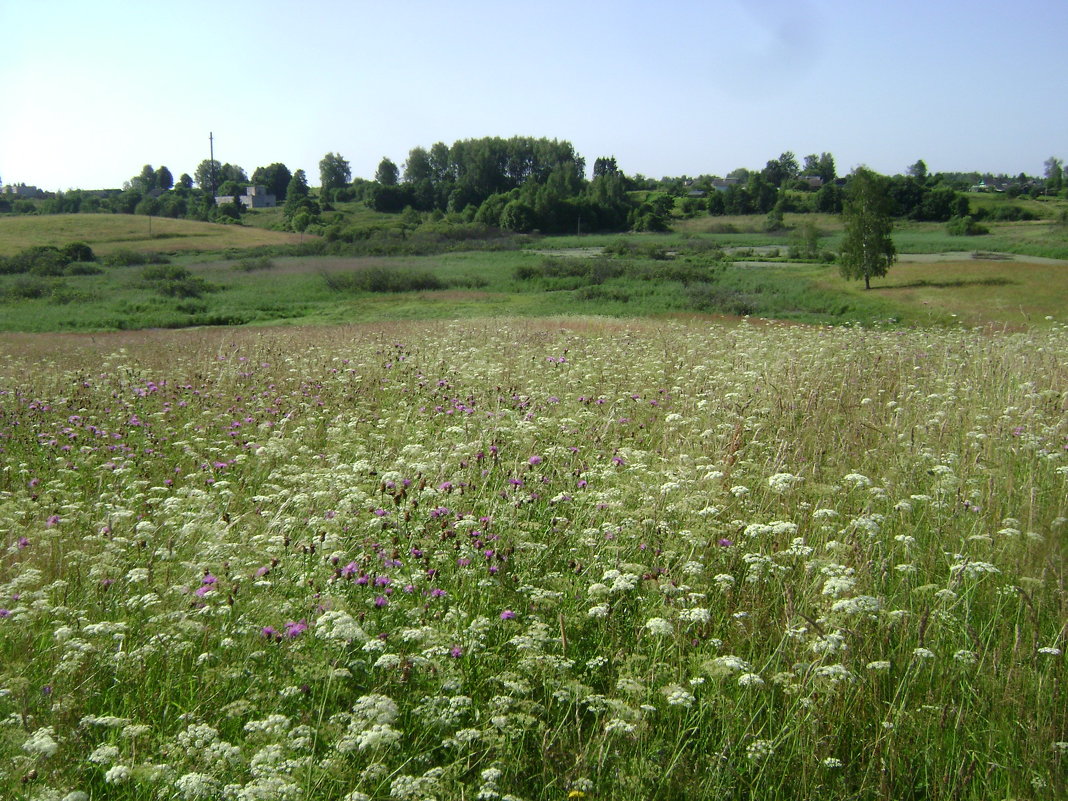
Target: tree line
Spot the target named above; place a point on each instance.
(523, 184)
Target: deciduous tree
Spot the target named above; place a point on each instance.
(334, 172)
(164, 179)
(867, 249)
(387, 173)
(275, 177)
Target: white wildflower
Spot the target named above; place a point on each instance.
(695, 614)
(104, 754)
(759, 749)
(659, 627)
(41, 743)
(196, 785)
(118, 774)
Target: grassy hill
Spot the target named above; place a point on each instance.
(106, 233)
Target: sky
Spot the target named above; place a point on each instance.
(92, 90)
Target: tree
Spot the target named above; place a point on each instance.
(605, 165)
(387, 173)
(208, 175)
(867, 249)
(1054, 174)
(275, 177)
(186, 181)
(417, 168)
(164, 179)
(147, 179)
(334, 172)
(298, 186)
(918, 170)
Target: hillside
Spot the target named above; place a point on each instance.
(106, 233)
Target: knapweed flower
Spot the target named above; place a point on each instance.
(507, 614)
(295, 628)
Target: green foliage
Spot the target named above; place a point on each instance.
(255, 264)
(133, 258)
(172, 280)
(805, 242)
(382, 279)
(867, 249)
(334, 172)
(387, 173)
(517, 216)
(275, 178)
(965, 226)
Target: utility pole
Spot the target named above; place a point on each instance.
(211, 144)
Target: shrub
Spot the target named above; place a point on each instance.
(175, 281)
(84, 268)
(381, 279)
(254, 264)
(79, 251)
(965, 226)
(131, 258)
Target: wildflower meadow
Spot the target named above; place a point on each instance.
(534, 560)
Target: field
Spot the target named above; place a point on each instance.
(687, 275)
(106, 233)
(564, 558)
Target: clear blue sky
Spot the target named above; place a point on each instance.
(91, 90)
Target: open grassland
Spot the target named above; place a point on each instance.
(975, 291)
(684, 276)
(534, 560)
(106, 233)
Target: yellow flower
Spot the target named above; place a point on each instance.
(576, 794)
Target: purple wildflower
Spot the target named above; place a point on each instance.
(294, 628)
(381, 601)
(507, 614)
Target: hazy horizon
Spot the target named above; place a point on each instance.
(93, 91)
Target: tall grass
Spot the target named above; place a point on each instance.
(571, 558)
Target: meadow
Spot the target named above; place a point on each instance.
(573, 557)
(106, 233)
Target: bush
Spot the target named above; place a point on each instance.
(965, 226)
(84, 268)
(254, 264)
(382, 279)
(172, 280)
(131, 258)
(78, 251)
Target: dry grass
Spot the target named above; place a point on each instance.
(106, 233)
(979, 292)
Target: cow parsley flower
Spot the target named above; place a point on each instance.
(41, 743)
(659, 627)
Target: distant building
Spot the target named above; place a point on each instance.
(255, 197)
(813, 181)
(723, 184)
(23, 191)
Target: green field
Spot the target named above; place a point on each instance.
(106, 233)
(710, 267)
